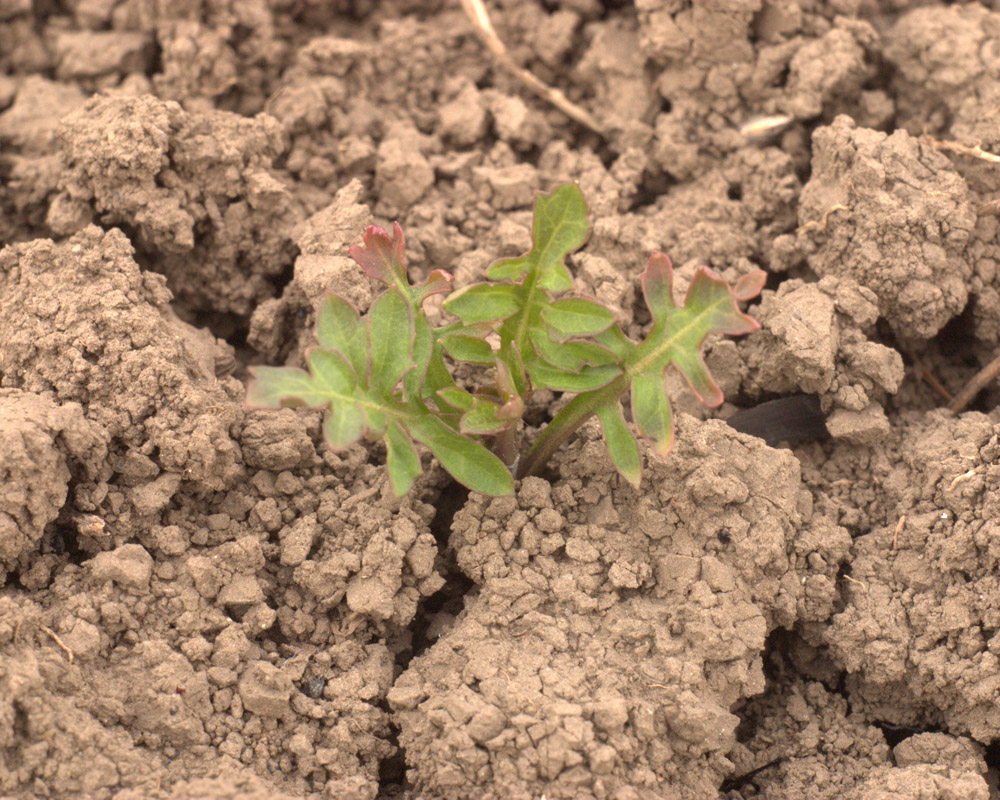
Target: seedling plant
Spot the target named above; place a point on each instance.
(385, 375)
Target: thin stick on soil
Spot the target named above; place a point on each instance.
(856, 581)
(900, 526)
(964, 150)
(930, 378)
(62, 646)
(979, 382)
(485, 31)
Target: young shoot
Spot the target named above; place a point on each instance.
(385, 375)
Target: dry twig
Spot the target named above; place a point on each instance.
(55, 638)
(821, 225)
(929, 377)
(900, 526)
(979, 382)
(961, 479)
(963, 150)
(485, 31)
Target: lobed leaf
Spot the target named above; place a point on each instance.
(391, 335)
(361, 388)
(559, 227)
(381, 257)
(331, 382)
(338, 327)
(677, 337)
(679, 332)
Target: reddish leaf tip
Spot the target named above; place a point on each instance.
(398, 242)
(659, 264)
(379, 252)
(750, 285)
(438, 282)
(742, 323)
(377, 231)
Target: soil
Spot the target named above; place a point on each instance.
(201, 601)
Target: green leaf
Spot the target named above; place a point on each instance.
(423, 352)
(344, 424)
(484, 302)
(622, 446)
(482, 420)
(457, 398)
(338, 327)
(651, 412)
(560, 226)
(585, 380)
(401, 459)
(468, 348)
(391, 342)
(568, 356)
(616, 341)
(275, 387)
(330, 382)
(332, 379)
(676, 337)
(576, 316)
(678, 333)
(467, 461)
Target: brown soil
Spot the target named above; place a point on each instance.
(197, 601)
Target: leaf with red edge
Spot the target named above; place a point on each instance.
(750, 285)
(678, 332)
(677, 337)
(393, 346)
(559, 227)
(621, 444)
(382, 258)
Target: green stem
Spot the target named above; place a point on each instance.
(574, 414)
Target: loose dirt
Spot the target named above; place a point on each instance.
(201, 601)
